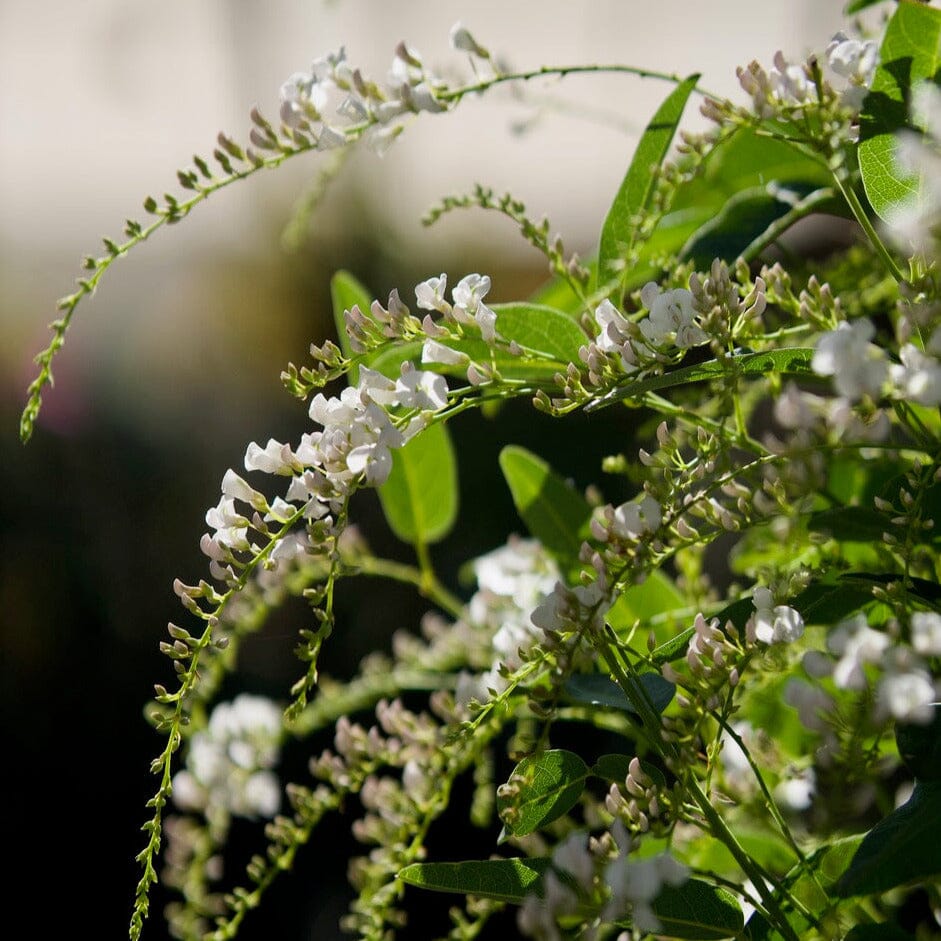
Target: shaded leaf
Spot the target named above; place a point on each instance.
(597, 689)
(903, 847)
(549, 785)
(554, 512)
(697, 910)
(637, 188)
(748, 215)
(420, 498)
(859, 523)
(920, 747)
(614, 768)
(508, 880)
(910, 52)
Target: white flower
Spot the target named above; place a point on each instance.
(613, 326)
(418, 388)
(429, 295)
(908, 695)
(856, 644)
(775, 624)
(856, 61)
(926, 633)
(857, 366)
(918, 377)
(672, 317)
(632, 520)
(468, 295)
(463, 41)
(274, 458)
(789, 82)
(796, 792)
(635, 883)
(434, 352)
(227, 763)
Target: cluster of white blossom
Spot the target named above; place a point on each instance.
(860, 369)
(579, 863)
(227, 771)
(905, 689)
(791, 85)
(671, 324)
(513, 581)
(333, 98)
(333, 86)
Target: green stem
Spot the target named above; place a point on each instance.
(430, 588)
(805, 207)
(456, 94)
(849, 194)
(753, 870)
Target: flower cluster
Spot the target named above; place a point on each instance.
(307, 98)
(228, 763)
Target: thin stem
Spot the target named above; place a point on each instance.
(432, 589)
(752, 869)
(805, 207)
(456, 94)
(849, 194)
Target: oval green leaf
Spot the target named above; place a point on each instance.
(598, 689)
(554, 512)
(541, 329)
(420, 498)
(549, 786)
(910, 53)
(507, 880)
(903, 847)
(636, 191)
(697, 911)
(345, 293)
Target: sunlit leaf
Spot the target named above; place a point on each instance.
(553, 510)
(420, 498)
(549, 785)
(637, 188)
(910, 52)
(507, 880)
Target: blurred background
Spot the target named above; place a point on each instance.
(173, 366)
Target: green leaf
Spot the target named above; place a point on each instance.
(903, 847)
(656, 595)
(910, 52)
(747, 216)
(507, 880)
(345, 293)
(854, 6)
(920, 747)
(549, 786)
(541, 329)
(614, 769)
(883, 931)
(673, 649)
(420, 498)
(696, 910)
(554, 511)
(742, 161)
(794, 361)
(859, 523)
(598, 689)
(637, 188)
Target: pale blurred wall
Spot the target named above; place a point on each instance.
(101, 101)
